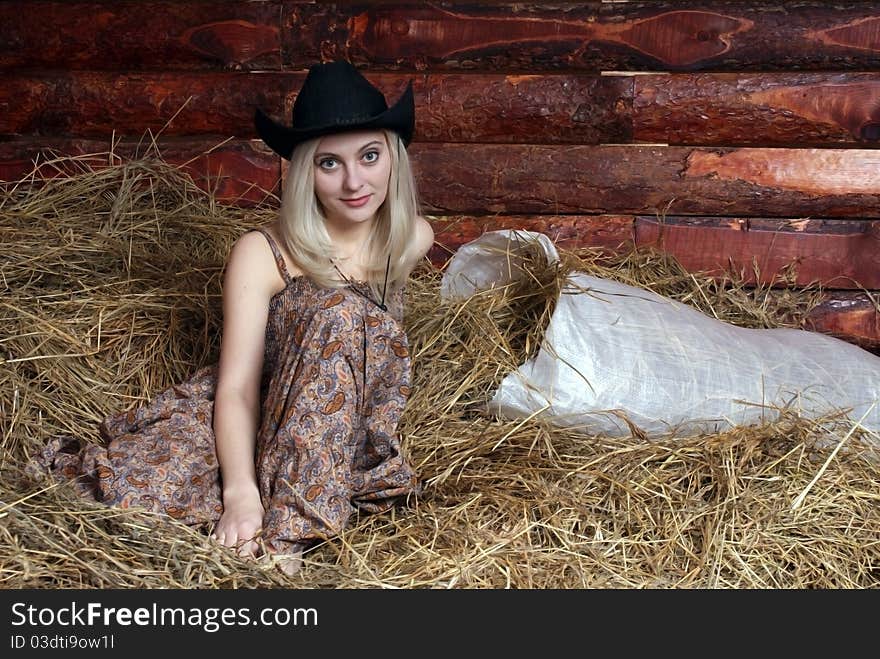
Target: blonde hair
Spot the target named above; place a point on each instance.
(306, 237)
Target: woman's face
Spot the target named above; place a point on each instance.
(351, 175)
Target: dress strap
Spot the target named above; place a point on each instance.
(279, 258)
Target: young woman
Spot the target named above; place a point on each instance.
(296, 427)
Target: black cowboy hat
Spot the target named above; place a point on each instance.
(335, 97)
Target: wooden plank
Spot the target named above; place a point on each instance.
(455, 36)
(548, 109)
(632, 179)
(451, 36)
(748, 36)
(99, 103)
(766, 109)
(610, 232)
(127, 35)
(853, 317)
(240, 172)
(487, 179)
(784, 109)
(837, 259)
(469, 108)
(592, 36)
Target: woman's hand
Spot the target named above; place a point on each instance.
(241, 522)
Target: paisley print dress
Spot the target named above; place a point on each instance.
(336, 377)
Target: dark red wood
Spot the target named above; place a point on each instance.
(853, 317)
(420, 36)
(595, 36)
(836, 260)
(548, 109)
(99, 104)
(765, 109)
(125, 35)
(240, 172)
(463, 179)
(479, 108)
(632, 36)
(515, 179)
(467, 179)
(608, 232)
(784, 109)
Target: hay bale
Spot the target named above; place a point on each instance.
(111, 285)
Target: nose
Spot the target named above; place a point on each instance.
(353, 180)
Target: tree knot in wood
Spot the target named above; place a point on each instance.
(233, 42)
(399, 27)
(870, 131)
(681, 38)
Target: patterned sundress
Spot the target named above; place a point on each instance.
(336, 377)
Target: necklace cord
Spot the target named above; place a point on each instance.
(357, 289)
(385, 285)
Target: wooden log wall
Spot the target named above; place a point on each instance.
(733, 134)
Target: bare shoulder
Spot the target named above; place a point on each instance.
(250, 250)
(423, 237)
(421, 241)
(252, 263)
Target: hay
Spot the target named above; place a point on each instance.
(110, 274)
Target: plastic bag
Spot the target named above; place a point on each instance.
(615, 355)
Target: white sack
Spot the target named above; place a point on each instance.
(664, 365)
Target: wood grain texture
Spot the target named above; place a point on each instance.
(787, 109)
(97, 104)
(759, 251)
(126, 35)
(548, 109)
(766, 109)
(612, 233)
(853, 317)
(491, 179)
(470, 108)
(514, 179)
(592, 36)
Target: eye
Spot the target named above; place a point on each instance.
(327, 163)
(371, 156)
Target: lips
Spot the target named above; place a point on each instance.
(357, 202)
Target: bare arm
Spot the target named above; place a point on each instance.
(249, 282)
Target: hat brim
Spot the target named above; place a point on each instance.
(400, 118)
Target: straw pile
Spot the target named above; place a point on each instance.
(111, 278)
